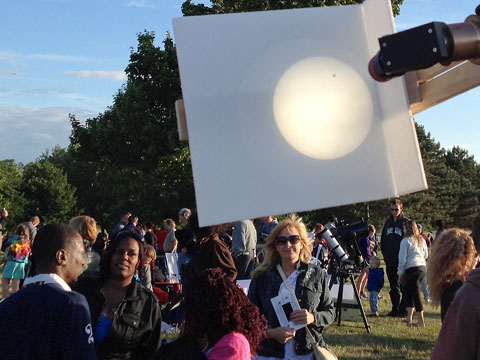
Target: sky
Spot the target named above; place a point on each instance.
(61, 57)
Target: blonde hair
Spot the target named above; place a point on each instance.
(272, 257)
(375, 260)
(86, 227)
(150, 252)
(22, 230)
(411, 230)
(453, 256)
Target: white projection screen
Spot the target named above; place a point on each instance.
(283, 116)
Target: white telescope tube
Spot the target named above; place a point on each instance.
(334, 246)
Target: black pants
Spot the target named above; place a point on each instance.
(397, 292)
(413, 279)
(245, 265)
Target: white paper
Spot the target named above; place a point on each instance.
(259, 149)
(244, 285)
(282, 302)
(171, 262)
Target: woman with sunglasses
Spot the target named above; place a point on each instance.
(289, 246)
(126, 317)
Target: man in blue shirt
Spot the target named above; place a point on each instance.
(122, 223)
(46, 319)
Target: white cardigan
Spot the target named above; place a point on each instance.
(411, 254)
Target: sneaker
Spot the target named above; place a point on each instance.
(363, 296)
(380, 297)
(394, 314)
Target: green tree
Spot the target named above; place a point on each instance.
(233, 6)
(10, 196)
(47, 192)
(441, 198)
(467, 169)
(130, 156)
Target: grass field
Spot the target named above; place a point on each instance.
(390, 338)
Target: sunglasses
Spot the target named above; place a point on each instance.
(293, 239)
(393, 209)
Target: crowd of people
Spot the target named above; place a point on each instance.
(105, 289)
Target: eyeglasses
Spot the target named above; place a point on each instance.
(394, 209)
(293, 239)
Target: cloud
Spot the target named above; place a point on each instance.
(28, 132)
(11, 58)
(4, 91)
(53, 96)
(14, 58)
(98, 74)
(5, 73)
(59, 92)
(138, 3)
(60, 58)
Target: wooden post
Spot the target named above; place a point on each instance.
(429, 87)
(181, 120)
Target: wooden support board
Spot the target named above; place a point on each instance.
(181, 120)
(429, 87)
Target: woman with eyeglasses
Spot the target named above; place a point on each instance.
(126, 316)
(289, 246)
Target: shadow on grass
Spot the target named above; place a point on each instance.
(431, 315)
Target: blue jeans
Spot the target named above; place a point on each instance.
(425, 289)
(374, 301)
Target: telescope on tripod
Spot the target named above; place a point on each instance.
(347, 265)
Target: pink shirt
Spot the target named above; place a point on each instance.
(233, 346)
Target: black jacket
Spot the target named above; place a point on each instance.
(136, 327)
(392, 236)
(312, 293)
(186, 239)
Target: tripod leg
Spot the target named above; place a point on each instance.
(357, 296)
(340, 299)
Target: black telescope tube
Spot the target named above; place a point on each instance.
(426, 45)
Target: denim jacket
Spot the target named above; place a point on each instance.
(312, 293)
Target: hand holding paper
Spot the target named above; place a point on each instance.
(302, 316)
(281, 334)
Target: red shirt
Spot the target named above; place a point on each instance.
(161, 235)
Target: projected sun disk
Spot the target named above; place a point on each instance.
(323, 108)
